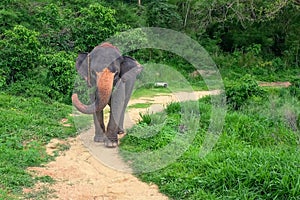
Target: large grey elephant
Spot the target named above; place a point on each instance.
(113, 77)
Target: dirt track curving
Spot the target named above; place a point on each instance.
(80, 174)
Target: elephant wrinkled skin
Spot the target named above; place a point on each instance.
(113, 76)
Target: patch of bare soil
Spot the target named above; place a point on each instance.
(88, 170)
(275, 84)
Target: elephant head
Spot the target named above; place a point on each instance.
(102, 68)
(98, 68)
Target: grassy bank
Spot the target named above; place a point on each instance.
(26, 125)
(256, 156)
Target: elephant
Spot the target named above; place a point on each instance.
(113, 76)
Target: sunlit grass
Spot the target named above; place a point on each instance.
(256, 157)
(26, 125)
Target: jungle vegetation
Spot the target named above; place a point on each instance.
(250, 41)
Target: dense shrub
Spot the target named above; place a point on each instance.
(173, 107)
(30, 88)
(19, 55)
(238, 92)
(56, 27)
(15, 12)
(60, 75)
(162, 14)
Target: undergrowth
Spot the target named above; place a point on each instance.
(256, 156)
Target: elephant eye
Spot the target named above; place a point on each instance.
(113, 68)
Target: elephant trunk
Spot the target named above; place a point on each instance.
(103, 93)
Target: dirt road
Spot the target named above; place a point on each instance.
(88, 170)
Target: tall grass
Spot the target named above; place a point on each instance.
(256, 157)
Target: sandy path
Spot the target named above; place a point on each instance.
(88, 170)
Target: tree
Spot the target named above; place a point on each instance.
(162, 14)
(93, 25)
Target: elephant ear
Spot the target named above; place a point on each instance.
(130, 67)
(81, 65)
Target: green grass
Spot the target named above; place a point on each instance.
(177, 80)
(140, 105)
(149, 92)
(256, 157)
(153, 91)
(26, 125)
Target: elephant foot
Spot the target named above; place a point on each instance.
(111, 144)
(111, 141)
(99, 138)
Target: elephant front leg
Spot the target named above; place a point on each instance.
(99, 127)
(116, 109)
(129, 84)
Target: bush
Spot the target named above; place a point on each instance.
(19, 54)
(55, 26)
(30, 88)
(238, 92)
(15, 12)
(173, 107)
(61, 75)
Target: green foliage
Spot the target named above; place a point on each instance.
(256, 157)
(33, 30)
(131, 15)
(145, 119)
(173, 107)
(19, 54)
(49, 16)
(26, 125)
(93, 25)
(162, 14)
(237, 27)
(240, 63)
(55, 25)
(40, 44)
(30, 88)
(60, 76)
(239, 92)
(7, 19)
(14, 12)
(131, 40)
